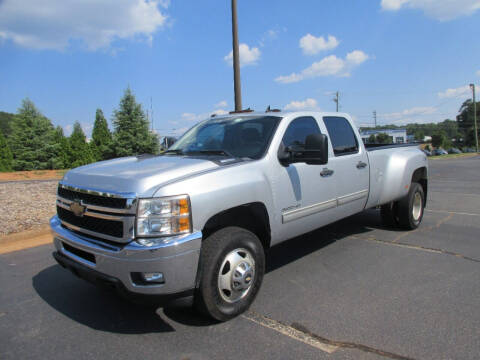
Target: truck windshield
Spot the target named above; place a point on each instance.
(240, 137)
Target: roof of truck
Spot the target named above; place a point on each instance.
(280, 113)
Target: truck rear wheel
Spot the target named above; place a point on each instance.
(411, 207)
(232, 264)
(389, 214)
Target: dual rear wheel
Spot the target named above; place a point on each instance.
(407, 212)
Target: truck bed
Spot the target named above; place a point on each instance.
(373, 147)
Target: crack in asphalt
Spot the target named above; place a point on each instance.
(425, 228)
(414, 247)
(350, 345)
(289, 331)
(299, 332)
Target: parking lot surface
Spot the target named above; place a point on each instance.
(352, 290)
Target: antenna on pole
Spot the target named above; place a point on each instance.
(236, 59)
(375, 117)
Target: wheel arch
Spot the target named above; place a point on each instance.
(251, 216)
(420, 176)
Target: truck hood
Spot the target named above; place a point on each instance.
(142, 175)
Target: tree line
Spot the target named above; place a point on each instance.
(29, 141)
(448, 133)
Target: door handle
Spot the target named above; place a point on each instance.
(361, 165)
(326, 172)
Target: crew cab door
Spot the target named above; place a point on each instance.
(351, 164)
(304, 198)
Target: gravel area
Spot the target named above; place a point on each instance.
(26, 205)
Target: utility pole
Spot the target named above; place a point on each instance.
(475, 116)
(375, 117)
(337, 99)
(236, 59)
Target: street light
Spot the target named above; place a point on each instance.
(472, 86)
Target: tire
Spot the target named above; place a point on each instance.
(232, 265)
(389, 214)
(411, 207)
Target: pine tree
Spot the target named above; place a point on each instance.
(63, 152)
(81, 152)
(101, 138)
(31, 140)
(131, 135)
(6, 157)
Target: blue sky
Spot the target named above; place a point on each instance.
(410, 60)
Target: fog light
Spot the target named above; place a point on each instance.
(154, 277)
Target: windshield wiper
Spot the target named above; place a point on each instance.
(175, 151)
(212, 152)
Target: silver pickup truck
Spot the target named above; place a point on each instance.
(193, 223)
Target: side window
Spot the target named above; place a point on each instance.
(298, 130)
(341, 134)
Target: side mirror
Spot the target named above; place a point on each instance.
(315, 151)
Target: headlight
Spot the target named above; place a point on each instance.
(163, 217)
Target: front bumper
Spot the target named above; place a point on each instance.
(177, 260)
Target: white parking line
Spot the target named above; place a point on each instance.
(451, 212)
(290, 332)
(453, 193)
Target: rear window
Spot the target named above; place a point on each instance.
(342, 137)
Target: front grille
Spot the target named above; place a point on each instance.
(91, 199)
(101, 226)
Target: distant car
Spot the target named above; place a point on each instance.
(454, 151)
(428, 153)
(437, 152)
(469, 150)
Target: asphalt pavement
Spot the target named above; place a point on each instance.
(352, 290)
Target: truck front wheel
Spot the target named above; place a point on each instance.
(411, 207)
(232, 264)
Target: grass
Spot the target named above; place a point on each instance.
(61, 172)
(452, 156)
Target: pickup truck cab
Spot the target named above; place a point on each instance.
(194, 222)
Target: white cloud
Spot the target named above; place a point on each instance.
(454, 92)
(221, 104)
(312, 45)
(415, 111)
(54, 24)
(86, 127)
(356, 57)
(203, 116)
(442, 10)
(328, 66)
(307, 104)
(248, 56)
(419, 114)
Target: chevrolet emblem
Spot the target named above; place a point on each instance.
(77, 208)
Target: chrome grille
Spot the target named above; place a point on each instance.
(105, 215)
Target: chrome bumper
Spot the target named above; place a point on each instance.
(177, 260)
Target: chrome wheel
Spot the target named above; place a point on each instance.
(236, 275)
(417, 207)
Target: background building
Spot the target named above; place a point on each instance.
(397, 136)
